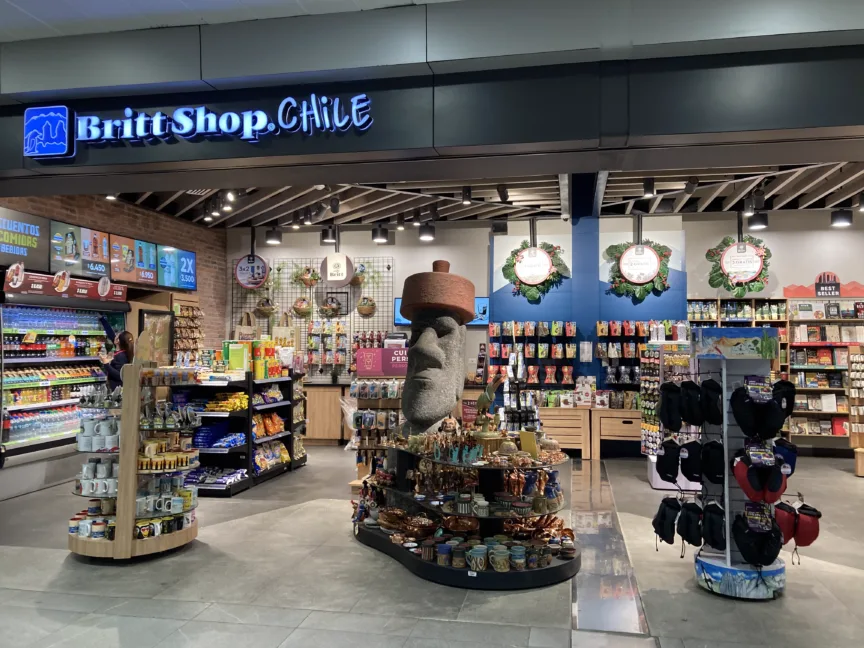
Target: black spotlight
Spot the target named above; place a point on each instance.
(400, 222)
(841, 218)
(758, 200)
(466, 195)
(334, 204)
(416, 221)
(328, 235)
(648, 188)
(748, 207)
(691, 184)
(427, 232)
(295, 221)
(307, 216)
(273, 237)
(758, 221)
(503, 194)
(379, 234)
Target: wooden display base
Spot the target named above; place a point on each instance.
(859, 462)
(106, 548)
(491, 445)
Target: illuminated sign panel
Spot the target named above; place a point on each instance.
(47, 129)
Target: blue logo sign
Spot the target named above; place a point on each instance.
(47, 132)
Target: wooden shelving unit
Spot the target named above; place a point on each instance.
(746, 312)
(124, 545)
(856, 421)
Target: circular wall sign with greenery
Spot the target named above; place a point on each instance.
(526, 258)
(643, 280)
(740, 268)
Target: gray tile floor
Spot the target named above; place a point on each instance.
(278, 566)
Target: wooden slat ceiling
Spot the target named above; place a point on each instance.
(360, 204)
(817, 186)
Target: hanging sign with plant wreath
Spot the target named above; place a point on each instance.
(534, 271)
(739, 267)
(639, 269)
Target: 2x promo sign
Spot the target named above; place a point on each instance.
(56, 131)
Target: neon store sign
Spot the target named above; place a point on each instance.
(53, 131)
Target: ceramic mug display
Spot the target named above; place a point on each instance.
(111, 486)
(86, 486)
(85, 443)
(176, 505)
(103, 471)
(112, 441)
(98, 443)
(105, 428)
(88, 426)
(88, 470)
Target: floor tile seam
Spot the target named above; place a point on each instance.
(634, 579)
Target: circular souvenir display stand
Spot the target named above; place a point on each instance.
(741, 581)
(558, 571)
(491, 479)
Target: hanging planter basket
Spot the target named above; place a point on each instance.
(302, 307)
(265, 308)
(367, 307)
(307, 276)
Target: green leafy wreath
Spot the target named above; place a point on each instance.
(623, 288)
(533, 294)
(719, 279)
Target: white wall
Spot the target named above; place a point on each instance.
(802, 245)
(465, 246)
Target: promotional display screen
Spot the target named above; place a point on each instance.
(133, 261)
(78, 250)
(176, 268)
(481, 312)
(24, 238)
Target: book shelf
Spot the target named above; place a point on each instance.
(748, 312)
(855, 393)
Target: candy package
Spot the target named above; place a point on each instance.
(494, 329)
(558, 351)
(567, 375)
(530, 350)
(557, 327)
(570, 329)
(517, 329)
(507, 329)
(570, 350)
(602, 328)
(530, 329)
(543, 350)
(550, 378)
(533, 371)
(543, 329)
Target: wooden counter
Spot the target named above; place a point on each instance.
(324, 421)
(613, 424)
(570, 426)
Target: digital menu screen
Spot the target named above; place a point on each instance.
(132, 260)
(176, 268)
(78, 250)
(24, 238)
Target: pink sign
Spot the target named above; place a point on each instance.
(381, 362)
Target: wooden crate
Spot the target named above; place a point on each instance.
(614, 424)
(570, 426)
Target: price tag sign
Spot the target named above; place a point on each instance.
(472, 574)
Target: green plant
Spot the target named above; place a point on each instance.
(273, 283)
(719, 279)
(534, 294)
(299, 273)
(623, 288)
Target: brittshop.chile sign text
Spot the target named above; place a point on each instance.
(55, 131)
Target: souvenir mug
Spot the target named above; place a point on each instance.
(88, 426)
(103, 470)
(477, 558)
(105, 428)
(85, 443)
(88, 470)
(111, 486)
(98, 443)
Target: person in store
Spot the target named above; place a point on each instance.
(125, 346)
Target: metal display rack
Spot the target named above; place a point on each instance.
(241, 421)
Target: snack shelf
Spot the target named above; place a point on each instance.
(268, 381)
(298, 463)
(232, 414)
(35, 406)
(50, 360)
(227, 490)
(231, 450)
(271, 472)
(274, 437)
(821, 436)
(269, 406)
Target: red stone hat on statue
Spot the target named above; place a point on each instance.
(438, 290)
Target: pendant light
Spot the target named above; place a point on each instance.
(466, 195)
(841, 218)
(273, 237)
(295, 221)
(379, 235)
(748, 207)
(648, 188)
(416, 221)
(400, 222)
(307, 216)
(328, 235)
(758, 221)
(427, 232)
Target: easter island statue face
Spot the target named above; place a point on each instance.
(439, 304)
(435, 378)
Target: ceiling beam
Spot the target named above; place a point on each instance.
(731, 172)
(305, 198)
(832, 183)
(456, 185)
(492, 213)
(655, 203)
(629, 207)
(173, 197)
(739, 190)
(143, 197)
(407, 206)
(390, 201)
(710, 193)
(781, 181)
(250, 206)
(197, 201)
(848, 191)
(805, 183)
